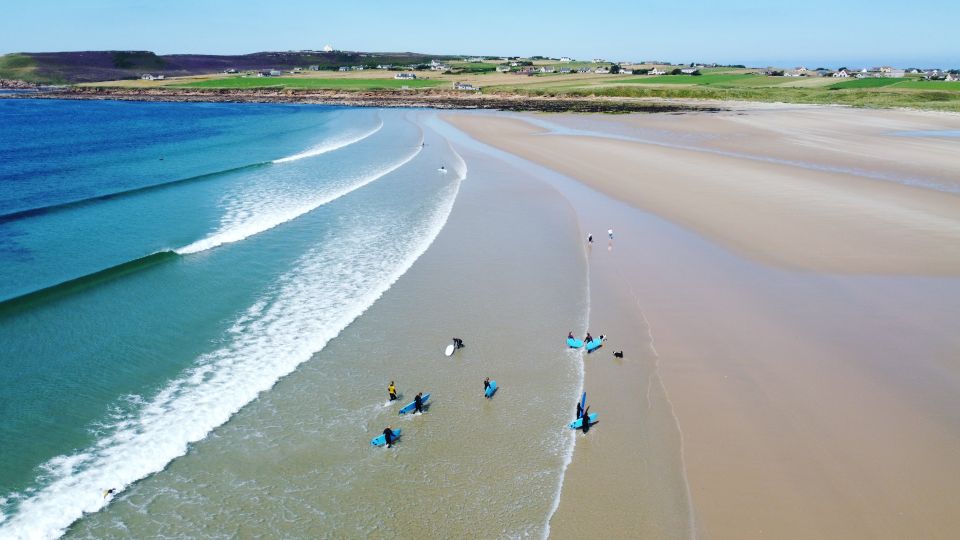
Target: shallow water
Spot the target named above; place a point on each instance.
(316, 273)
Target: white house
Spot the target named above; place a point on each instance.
(565, 70)
(547, 69)
(584, 69)
(689, 71)
(566, 59)
(842, 74)
(464, 86)
(952, 78)
(657, 71)
(602, 70)
(894, 73)
(405, 76)
(343, 68)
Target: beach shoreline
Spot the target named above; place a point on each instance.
(436, 99)
(773, 340)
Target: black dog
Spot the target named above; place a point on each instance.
(618, 354)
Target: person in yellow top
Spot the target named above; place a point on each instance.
(393, 391)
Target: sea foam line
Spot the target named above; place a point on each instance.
(275, 336)
(330, 146)
(266, 222)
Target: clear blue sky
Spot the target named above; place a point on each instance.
(822, 32)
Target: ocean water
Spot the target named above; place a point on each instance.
(163, 266)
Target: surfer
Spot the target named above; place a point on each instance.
(443, 169)
(388, 436)
(588, 339)
(457, 343)
(579, 410)
(418, 402)
(109, 492)
(586, 419)
(590, 238)
(392, 390)
(610, 233)
(570, 335)
(486, 385)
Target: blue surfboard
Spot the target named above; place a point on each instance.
(594, 345)
(578, 423)
(491, 390)
(574, 343)
(382, 439)
(410, 407)
(583, 403)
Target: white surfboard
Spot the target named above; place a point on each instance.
(449, 350)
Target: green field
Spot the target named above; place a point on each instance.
(720, 79)
(865, 83)
(21, 67)
(929, 85)
(310, 83)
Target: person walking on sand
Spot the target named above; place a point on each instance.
(486, 385)
(418, 403)
(392, 390)
(579, 410)
(388, 436)
(590, 238)
(610, 233)
(586, 419)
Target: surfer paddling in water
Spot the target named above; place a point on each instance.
(457, 343)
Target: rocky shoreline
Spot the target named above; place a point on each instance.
(422, 98)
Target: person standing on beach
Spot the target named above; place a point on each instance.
(392, 390)
(586, 419)
(418, 403)
(590, 238)
(579, 410)
(388, 436)
(610, 233)
(486, 385)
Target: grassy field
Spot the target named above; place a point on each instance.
(865, 83)
(21, 67)
(311, 83)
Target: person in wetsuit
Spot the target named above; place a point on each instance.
(418, 402)
(586, 419)
(588, 339)
(486, 385)
(392, 390)
(388, 436)
(579, 410)
(457, 343)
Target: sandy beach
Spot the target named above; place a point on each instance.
(783, 283)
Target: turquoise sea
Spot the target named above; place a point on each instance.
(163, 266)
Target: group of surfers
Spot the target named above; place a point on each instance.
(418, 400)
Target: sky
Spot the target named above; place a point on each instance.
(813, 33)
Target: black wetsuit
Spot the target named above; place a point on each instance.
(418, 403)
(457, 343)
(388, 436)
(579, 410)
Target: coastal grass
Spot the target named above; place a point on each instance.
(22, 67)
(312, 83)
(865, 83)
(883, 97)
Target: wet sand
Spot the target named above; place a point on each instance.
(794, 308)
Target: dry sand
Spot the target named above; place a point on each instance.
(800, 315)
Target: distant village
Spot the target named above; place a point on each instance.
(566, 65)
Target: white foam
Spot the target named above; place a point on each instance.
(245, 222)
(331, 145)
(330, 286)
